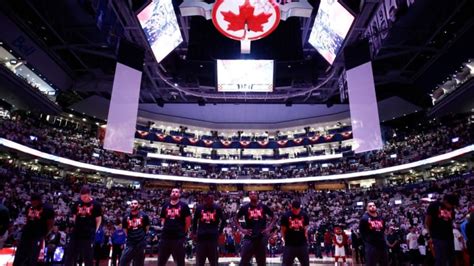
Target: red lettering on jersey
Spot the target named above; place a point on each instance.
(173, 213)
(376, 225)
(208, 217)
(296, 224)
(84, 211)
(34, 214)
(134, 223)
(255, 214)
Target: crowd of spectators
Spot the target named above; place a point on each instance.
(403, 207)
(79, 144)
(82, 144)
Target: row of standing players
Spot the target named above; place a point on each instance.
(207, 224)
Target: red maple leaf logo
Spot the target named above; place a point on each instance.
(246, 17)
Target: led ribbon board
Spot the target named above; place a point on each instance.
(13, 145)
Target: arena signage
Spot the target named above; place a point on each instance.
(246, 20)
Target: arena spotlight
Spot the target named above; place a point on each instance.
(454, 140)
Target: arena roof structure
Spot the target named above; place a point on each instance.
(414, 47)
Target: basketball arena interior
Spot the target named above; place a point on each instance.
(236, 132)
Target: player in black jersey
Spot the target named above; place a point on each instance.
(39, 222)
(136, 224)
(87, 217)
(439, 222)
(294, 229)
(176, 220)
(208, 224)
(255, 230)
(372, 230)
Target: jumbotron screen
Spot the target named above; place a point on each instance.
(245, 75)
(158, 21)
(331, 25)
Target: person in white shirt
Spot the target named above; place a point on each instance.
(459, 245)
(412, 242)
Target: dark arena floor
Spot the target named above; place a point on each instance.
(7, 260)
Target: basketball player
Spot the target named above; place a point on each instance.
(39, 222)
(439, 222)
(87, 217)
(136, 225)
(208, 224)
(176, 220)
(255, 231)
(372, 228)
(340, 242)
(294, 229)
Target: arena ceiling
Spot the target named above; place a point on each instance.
(427, 42)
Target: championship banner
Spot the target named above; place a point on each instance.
(364, 109)
(123, 108)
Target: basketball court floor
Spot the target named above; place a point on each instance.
(7, 255)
